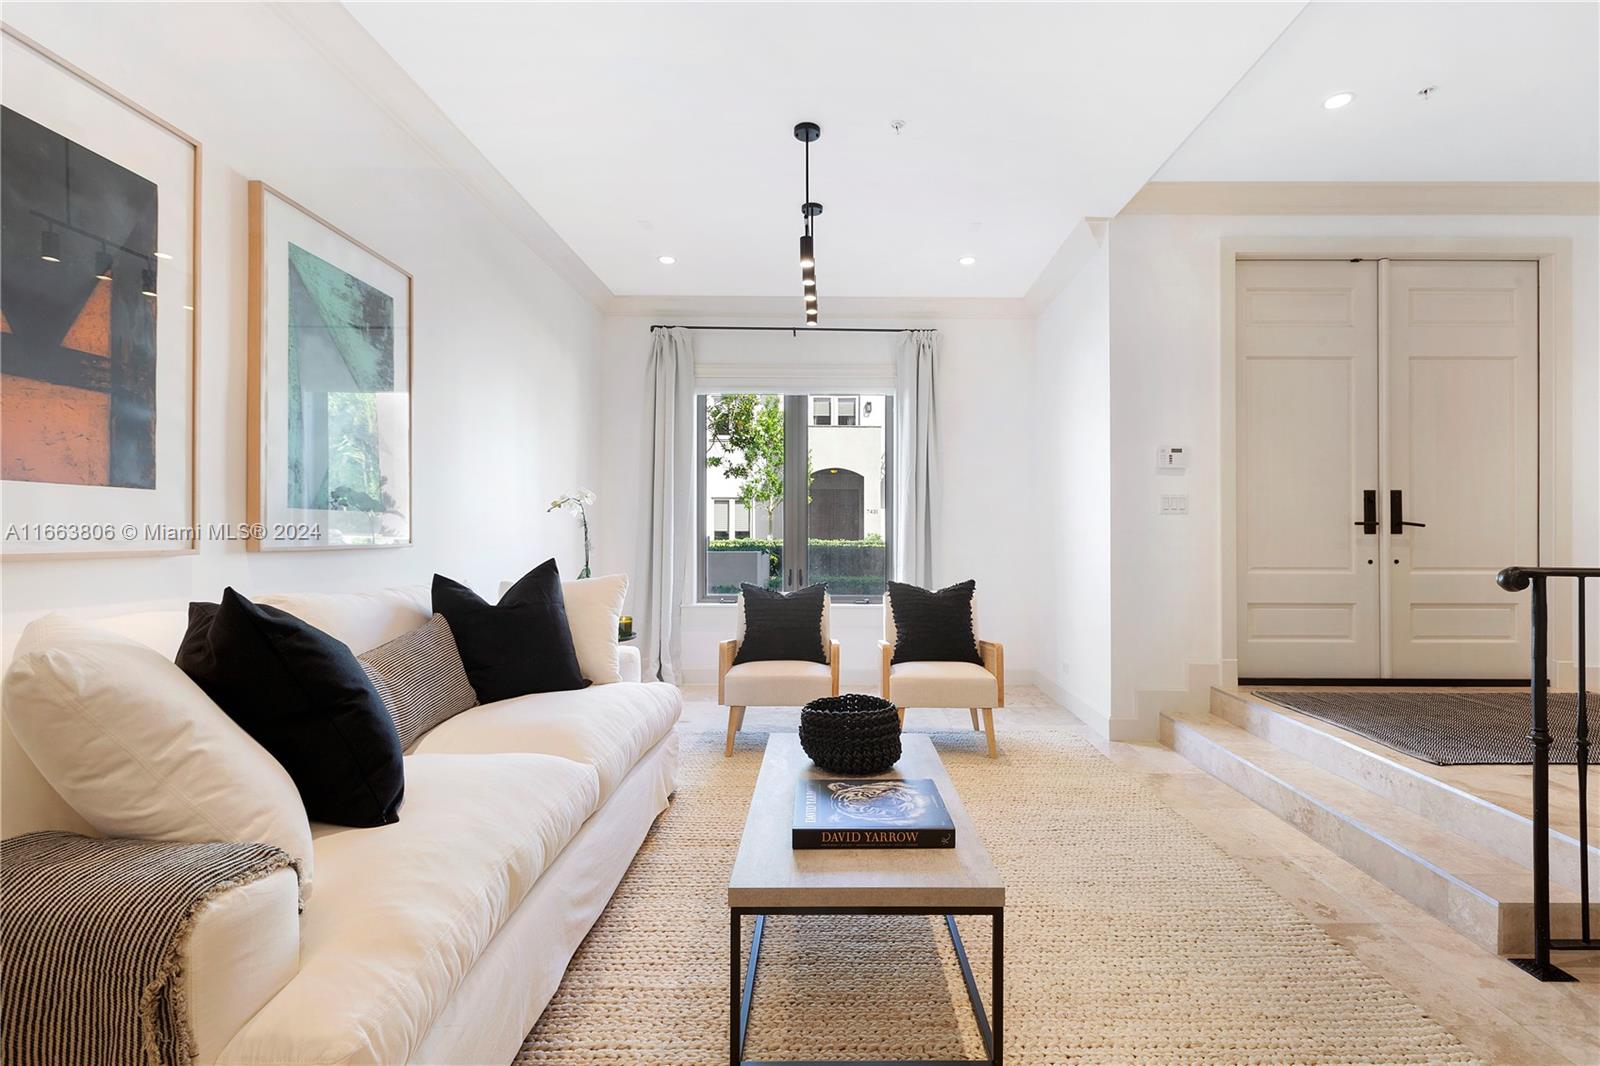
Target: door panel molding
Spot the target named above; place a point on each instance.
(1308, 379)
(1462, 385)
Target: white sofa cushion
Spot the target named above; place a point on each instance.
(607, 727)
(363, 620)
(404, 910)
(594, 608)
(942, 685)
(139, 750)
(781, 683)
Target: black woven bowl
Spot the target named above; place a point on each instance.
(851, 734)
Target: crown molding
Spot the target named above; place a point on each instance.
(349, 48)
(1366, 198)
(719, 310)
(1075, 252)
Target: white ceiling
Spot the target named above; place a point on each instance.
(1518, 98)
(643, 130)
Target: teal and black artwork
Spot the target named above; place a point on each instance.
(341, 357)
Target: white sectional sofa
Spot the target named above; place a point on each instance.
(441, 938)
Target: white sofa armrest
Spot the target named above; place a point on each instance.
(628, 662)
(244, 947)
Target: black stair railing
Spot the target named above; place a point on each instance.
(1516, 579)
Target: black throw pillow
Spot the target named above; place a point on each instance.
(934, 627)
(520, 645)
(782, 627)
(303, 696)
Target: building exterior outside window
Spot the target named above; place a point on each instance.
(844, 519)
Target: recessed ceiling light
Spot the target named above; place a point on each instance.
(967, 260)
(1338, 100)
(666, 260)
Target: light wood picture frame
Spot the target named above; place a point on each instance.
(99, 350)
(329, 435)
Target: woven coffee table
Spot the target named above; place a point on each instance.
(770, 877)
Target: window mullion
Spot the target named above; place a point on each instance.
(796, 417)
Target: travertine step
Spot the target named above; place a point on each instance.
(1485, 896)
(1406, 783)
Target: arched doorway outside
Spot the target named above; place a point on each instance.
(838, 505)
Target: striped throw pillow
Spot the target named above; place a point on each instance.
(421, 678)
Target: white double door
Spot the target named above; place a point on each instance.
(1388, 466)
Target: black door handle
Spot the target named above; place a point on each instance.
(1369, 511)
(1397, 521)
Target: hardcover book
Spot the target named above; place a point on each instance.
(871, 814)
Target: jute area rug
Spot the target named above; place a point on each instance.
(1130, 938)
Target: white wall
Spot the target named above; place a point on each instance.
(504, 376)
(1166, 370)
(1073, 412)
(987, 529)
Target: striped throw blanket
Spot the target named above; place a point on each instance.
(94, 932)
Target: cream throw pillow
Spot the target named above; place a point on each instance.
(139, 750)
(594, 607)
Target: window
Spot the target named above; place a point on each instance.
(795, 490)
(730, 520)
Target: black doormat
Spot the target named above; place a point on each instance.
(1483, 728)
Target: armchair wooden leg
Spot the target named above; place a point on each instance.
(901, 711)
(975, 726)
(735, 720)
(988, 727)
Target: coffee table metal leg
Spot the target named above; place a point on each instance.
(972, 985)
(997, 1016)
(735, 1052)
(742, 986)
(741, 996)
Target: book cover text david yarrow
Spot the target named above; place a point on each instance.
(871, 814)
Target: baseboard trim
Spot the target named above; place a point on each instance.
(1099, 723)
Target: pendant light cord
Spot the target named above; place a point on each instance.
(807, 208)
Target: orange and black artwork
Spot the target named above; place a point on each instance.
(78, 280)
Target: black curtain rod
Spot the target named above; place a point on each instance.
(794, 329)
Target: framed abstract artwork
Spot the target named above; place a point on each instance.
(99, 267)
(330, 385)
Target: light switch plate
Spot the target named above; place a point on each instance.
(1175, 503)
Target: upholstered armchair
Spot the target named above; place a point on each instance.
(953, 684)
(777, 683)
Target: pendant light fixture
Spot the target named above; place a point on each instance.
(806, 132)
